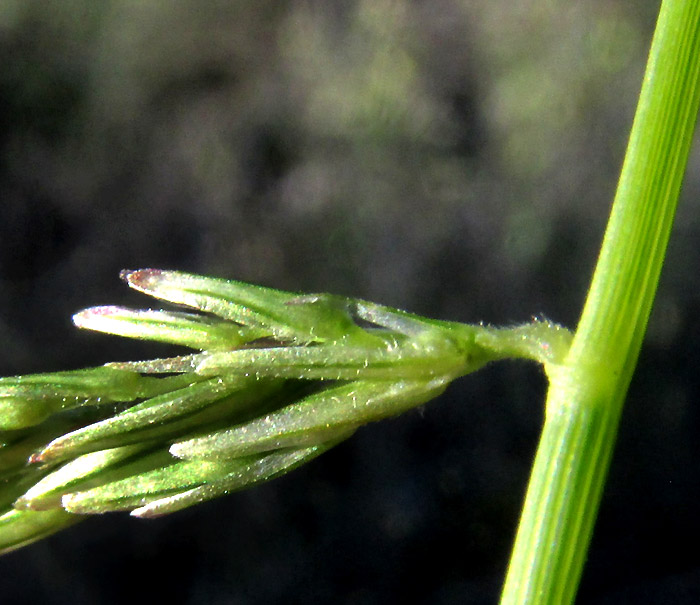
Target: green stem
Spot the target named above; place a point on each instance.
(587, 390)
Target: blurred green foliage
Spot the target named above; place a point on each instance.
(385, 131)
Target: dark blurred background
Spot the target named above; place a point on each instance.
(452, 157)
